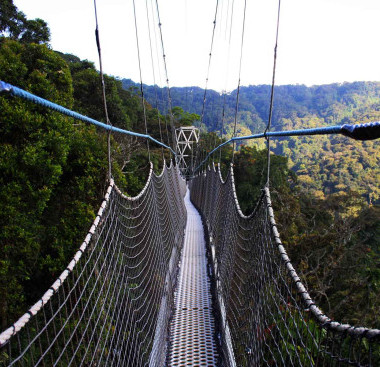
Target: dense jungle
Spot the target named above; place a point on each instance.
(53, 169)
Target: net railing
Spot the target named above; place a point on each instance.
(112, 304)
(267, 317)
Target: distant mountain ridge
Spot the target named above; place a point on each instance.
(335, 103)
(324, 164)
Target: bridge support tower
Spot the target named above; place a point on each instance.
(186, 137)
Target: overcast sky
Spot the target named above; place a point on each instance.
(321, 41)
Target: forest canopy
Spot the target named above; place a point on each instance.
(53, 170)
(324, 164)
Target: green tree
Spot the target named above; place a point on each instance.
(183, 118)
(15, 25)
(52, 176)
(33, 151)
(36, 31)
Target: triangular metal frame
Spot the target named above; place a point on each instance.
(186, 137)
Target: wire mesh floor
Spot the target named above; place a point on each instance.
(192, 331)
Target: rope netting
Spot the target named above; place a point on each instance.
(112, 304)
(267, 317)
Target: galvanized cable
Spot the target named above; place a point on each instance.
(199, 148)
(209, 65)
(227, 71)
(112, 304)
(103, 93)
(171, 118)
(272, 94)
(141, 83)
(266, 315)
(154, 77)
(159, 76)
(238, 87)
(222, 129)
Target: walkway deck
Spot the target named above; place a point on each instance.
(192, 329)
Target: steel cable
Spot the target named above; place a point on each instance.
(267, 317)
(112, 304)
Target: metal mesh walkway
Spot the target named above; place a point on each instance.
(192, 329)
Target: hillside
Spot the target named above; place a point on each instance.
(327, 164)
(53, 172)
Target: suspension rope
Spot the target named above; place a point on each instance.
(227, 70)
(222, 129)
(103, 93)
(238, 88)
(154, 77)
(159, 76)
(167, 80)
(113, 302)
(199, 149)
(209, 65)
(141, 83)
(366, 131)
(267, 129)
(267, 316)
(17, 92)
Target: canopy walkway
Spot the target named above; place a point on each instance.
(153, 284)
(178, 275)
(123, 300)
(192, 335)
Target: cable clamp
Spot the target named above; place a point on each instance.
(5, 87)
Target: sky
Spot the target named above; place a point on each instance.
(320, 41)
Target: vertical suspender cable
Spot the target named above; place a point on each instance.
(227, 73)
(141, 83)
(222, 129)
(267, 129)
(159, 76)
(207, 77)
(209, 64)
(167, 79)
(238, 89)
(154, 78)
(103, 93)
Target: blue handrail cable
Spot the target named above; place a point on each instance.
(367, 131)
(17, 92)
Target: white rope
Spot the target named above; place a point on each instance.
(268, 317)
(115, 296)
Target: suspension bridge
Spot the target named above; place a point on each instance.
(179, 276)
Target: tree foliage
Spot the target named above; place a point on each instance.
(332, 239)
(325, 164)
(53, 170)
(15, 25)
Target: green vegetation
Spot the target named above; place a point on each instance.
(333, 240)
(14, 24)
(53, 170)
(325, 189)
(324, 164)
